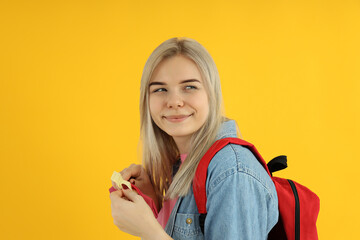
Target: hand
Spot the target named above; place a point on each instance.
(132, 215)
(137, 175)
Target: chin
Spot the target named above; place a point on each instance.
(178, 134)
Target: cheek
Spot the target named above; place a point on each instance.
(201, 104)
(154, 106)
(205, 110)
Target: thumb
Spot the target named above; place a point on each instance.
(116, 195)
(131, 195)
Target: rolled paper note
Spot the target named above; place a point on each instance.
(117, 178)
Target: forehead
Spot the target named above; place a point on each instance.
(176, 68)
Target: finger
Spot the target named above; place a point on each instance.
(118, 199)
(133, 171)
(115, 185)
(131, 195)
(116, 195)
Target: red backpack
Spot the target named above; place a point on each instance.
(298, 206)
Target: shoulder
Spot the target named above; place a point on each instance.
(234, 160)
(237, 179)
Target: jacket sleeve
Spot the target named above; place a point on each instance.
(239, 204)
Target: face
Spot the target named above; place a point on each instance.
(177, 97)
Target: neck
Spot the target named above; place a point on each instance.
(183, 144)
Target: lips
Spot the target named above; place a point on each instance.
(177, 118)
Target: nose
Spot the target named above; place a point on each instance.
(175, 101)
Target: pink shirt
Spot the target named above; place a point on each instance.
(168, 205)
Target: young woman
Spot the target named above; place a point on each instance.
(181, 117)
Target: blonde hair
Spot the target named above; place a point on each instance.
(159, 149)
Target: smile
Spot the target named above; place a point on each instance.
(177, 118)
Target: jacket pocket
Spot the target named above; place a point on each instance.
(187, 227)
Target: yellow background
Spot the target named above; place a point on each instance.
(69, 88)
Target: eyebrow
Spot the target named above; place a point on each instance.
(184, 81)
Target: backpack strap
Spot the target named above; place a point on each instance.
(199, 182)
(278, 163)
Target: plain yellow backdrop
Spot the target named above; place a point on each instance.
(69, 88)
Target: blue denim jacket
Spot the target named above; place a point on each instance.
(241, 198)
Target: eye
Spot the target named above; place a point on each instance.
(159, 90)
(190, 87)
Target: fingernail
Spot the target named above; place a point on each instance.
(124, 186)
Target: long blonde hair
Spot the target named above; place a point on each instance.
(159, 149)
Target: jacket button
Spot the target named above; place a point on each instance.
(188, 220)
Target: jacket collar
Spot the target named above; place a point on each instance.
(227, 129)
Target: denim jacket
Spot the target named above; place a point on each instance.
(241, 198)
